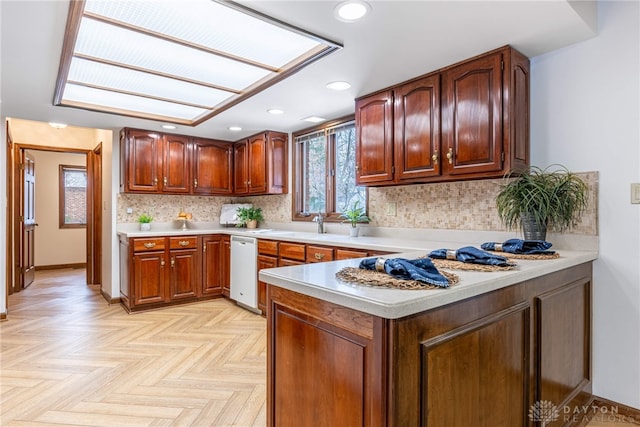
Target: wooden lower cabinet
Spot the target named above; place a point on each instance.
(148, 275)
(264, 261)
(225, 266)
(161, 271)
(212, 270)
(483, 361)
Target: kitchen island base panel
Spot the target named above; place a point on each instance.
(482, 361)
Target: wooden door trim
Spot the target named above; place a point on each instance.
(9, 273)
(18, 150)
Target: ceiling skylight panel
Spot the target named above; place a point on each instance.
(124, 103)
(121, 79)
(216, 25)
(195, 58)
(115, 44)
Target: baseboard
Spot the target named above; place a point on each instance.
(107, 297)
(606, 410)
(3, 316)
(61, 266)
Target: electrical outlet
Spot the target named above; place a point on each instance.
(129, 210)
(391, 209)
(635, 193)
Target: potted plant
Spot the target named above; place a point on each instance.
(249, 217)
(145, 222)
(354, 215)
(538, 199)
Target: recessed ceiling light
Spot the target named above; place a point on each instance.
(314, 119)
(168, 127)
(351, 10)
(58, 125)
(275, 111)
(338, 85)
(235, 128)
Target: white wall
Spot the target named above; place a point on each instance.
(585, 114)
(55, 245)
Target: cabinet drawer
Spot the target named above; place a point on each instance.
(148, 244)
(185, 242)
(288, 262)
(292, 251)
(268, 247)
(319, 254)
(349, 253)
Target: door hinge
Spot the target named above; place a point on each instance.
(502, 157)
(502, 65)
(393, 169)
(22, 166)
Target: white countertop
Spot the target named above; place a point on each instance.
(319, 280)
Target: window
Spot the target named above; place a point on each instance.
(325, 173)
(73, 196)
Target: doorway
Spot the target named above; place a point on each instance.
(23, 247)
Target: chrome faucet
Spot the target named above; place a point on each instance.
(320, 220)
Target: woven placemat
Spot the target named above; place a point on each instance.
(526, 256)
(379, 279)
(467, 266)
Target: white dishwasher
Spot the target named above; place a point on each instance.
(244, 278)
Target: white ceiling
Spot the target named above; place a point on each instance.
(398, 40)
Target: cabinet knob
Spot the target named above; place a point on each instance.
(318, 255)
(155, 181)
(164, 181)
(183, 243)
(173, 262)
(435, 157)
(195, 183)
(450, 156)
(162, 263)
(149, 245)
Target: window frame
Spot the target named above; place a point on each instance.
(298, 163)
(62, 195)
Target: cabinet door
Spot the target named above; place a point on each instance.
(149, 278)
(225, 266)
(212, 169)
(264, 261)
(240, 168)
(184, 275)
(277, 161)
(142, 153)
(417, 129)
(472, 120)
(176, 169)
(257, 160)
(212, 269)
(374, 144)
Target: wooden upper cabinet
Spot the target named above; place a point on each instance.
(417, 129)
(240, 168)
(212, 167)
(466, 121)
(472, 117)
(141, 161)
(260, 164)
(374, 143)
(257, 160)
(277, 161)
(176, 176)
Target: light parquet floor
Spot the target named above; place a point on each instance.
(68, 358)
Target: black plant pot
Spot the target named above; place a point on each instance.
(531, 229)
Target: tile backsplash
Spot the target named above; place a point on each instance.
(464, 205)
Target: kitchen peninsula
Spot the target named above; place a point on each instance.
(482, 352)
